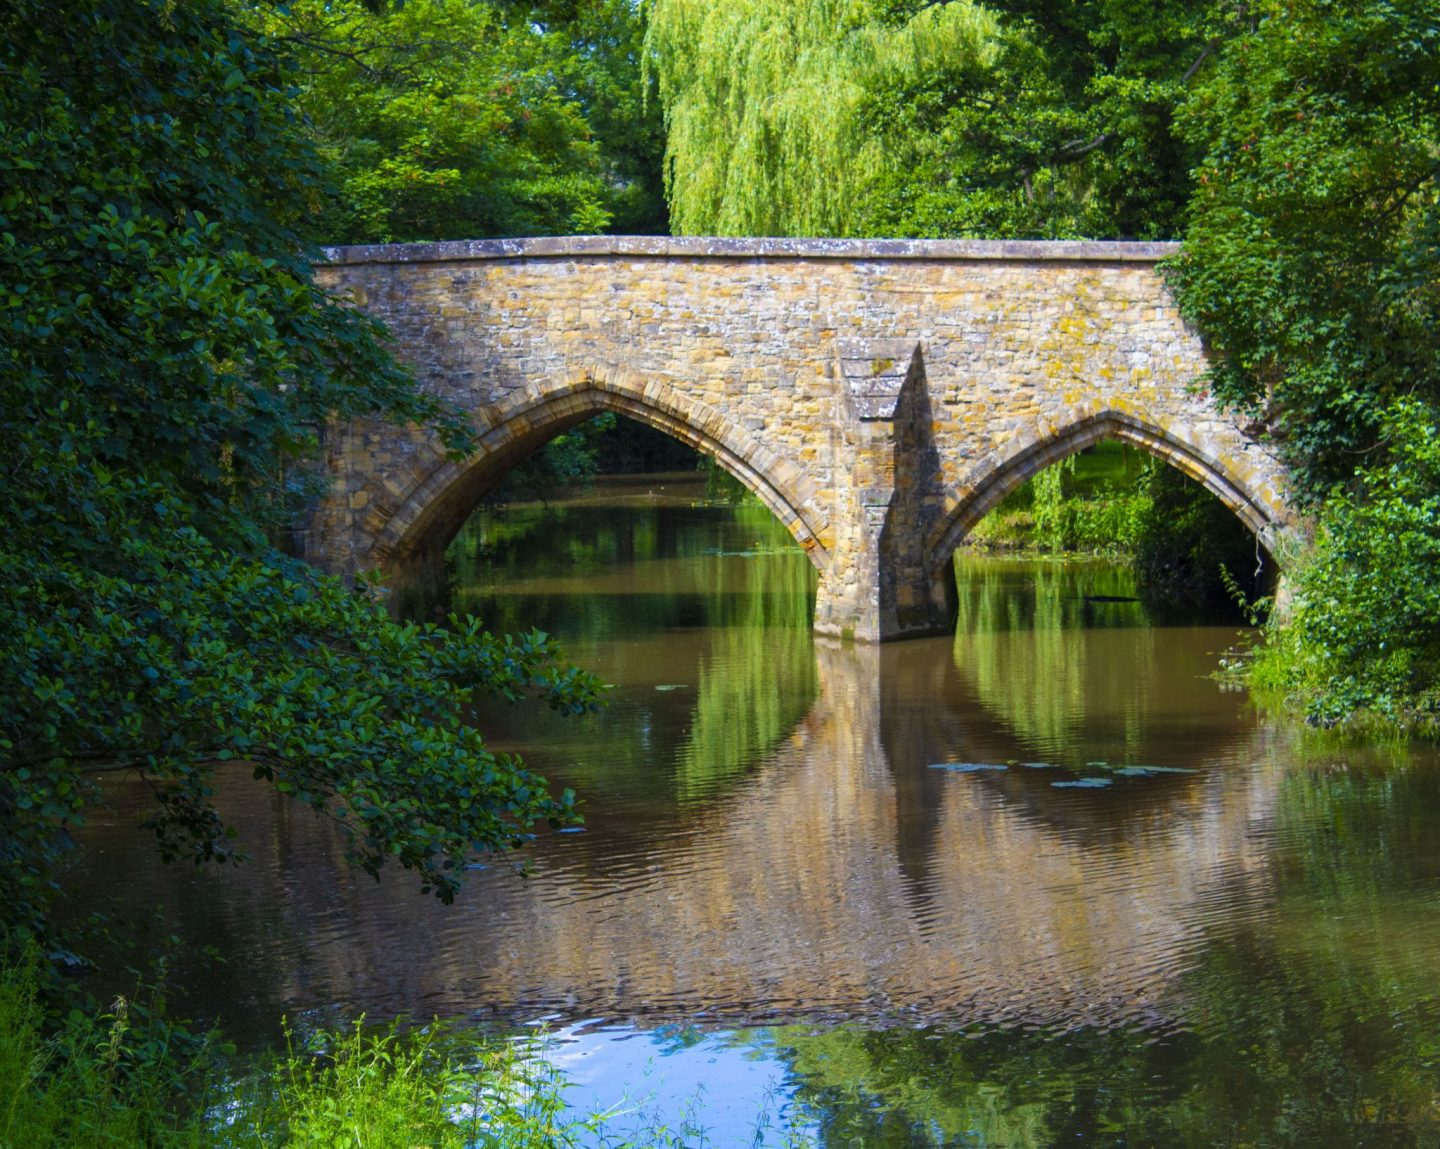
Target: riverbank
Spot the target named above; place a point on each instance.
(125, 1076)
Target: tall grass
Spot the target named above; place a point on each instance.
(1096, 502)
(96, 1079)
(88, 1080)
(432, 1086)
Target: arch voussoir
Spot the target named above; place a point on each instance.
(426, 513)
(1222, 460)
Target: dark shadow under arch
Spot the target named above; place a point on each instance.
(433, 511)
(990, 482)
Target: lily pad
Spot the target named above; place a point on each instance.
(673, 686)
(967, 767)
(1147, 771)
(1083, 784)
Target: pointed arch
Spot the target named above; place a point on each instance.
(430, 513)
(1241, 481)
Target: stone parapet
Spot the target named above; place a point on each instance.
(726, 247)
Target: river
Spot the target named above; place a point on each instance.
(1042, 882)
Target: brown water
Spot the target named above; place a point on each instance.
(1044, 882)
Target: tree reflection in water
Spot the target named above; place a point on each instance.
(1312, 1023)
(1242, 955)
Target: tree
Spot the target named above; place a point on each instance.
(167, 360)
(1071, 133)
(446, 119)
(1312, 266)
(1016, 118)
(1363, 636)
(598, 53)
(763, 100)
(1311, 257)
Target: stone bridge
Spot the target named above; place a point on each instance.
(879, 396)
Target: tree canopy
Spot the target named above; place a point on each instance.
(1311, 256)
(764, 100)
(1008, 119)
(167, 361)
(449, 119)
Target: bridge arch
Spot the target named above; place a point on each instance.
(1242, 483)
(432, 511)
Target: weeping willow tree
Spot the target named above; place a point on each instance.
(764, 104)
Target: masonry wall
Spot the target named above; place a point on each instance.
(878, 395)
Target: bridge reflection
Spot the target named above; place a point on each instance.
(838, 873)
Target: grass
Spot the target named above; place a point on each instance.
(1089, 503)
(99, 1079)
(75, 1082)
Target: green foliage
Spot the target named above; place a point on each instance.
(460, 120)
(763, 101)
(1192, 550)
(166, 364)
(1093, 502)
(606, 444)
(1312, 264)
(597, 51)
(569, 458)
(1047, 502)
(1069, 132)
(868, 118)
(107, 1078)
(1313, 255)
(1043, 518)
(1363, 636)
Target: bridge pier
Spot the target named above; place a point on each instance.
(880, 586)
(871, 603)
